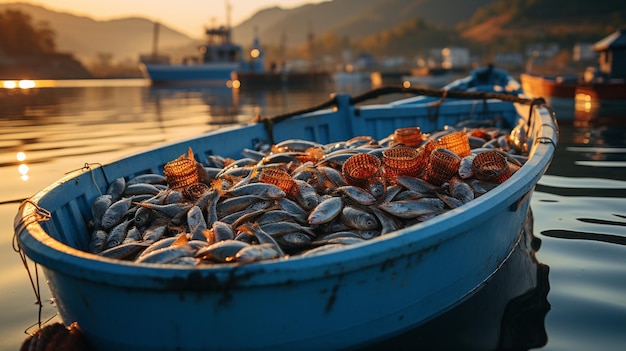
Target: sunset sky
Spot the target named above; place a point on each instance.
(188, 16)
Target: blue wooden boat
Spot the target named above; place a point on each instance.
(345, 298)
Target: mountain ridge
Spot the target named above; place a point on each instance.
(392, 27)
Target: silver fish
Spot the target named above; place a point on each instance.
(99, 207)
(296, 145)
(255, 253)
(282, 157)
(334, 177)
(461, 190)
(328, 247)
(221, 231)
(207, 199)
(235, 204)
(465, 167)
(481, 187)
(391, 192)
(306, 196)
(292, 207)
(388, 223)
(115, 213)
(117, 234)
(358, 219)
(260, 234)
(166, 254)
(116, 189)
(159, 244)
(294, 240)
(143, 216)
(98, 238)
(124, 251)
(150, 178)
(377, 187)
(357, 194)
(282, 228)
(211, 209)
(263, 190)
(235, 219)
(342, 234)
(412, 208)
(196, 223)
(279, 215)
(170, 210)
(221, 251)
(132, 235)
(326, 211)
(450, 201)
(154, 232)
(253, 154)
(342, 240)
(415, 184)
(141, 189)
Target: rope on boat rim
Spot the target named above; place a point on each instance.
(39, 214)
(386, 90)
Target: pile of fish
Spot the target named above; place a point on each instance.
(237, 211)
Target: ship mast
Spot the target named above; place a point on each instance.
(228, 10)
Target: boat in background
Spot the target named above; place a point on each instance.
(432, 77)
(347, 297)
(223, 62)
(605, 84)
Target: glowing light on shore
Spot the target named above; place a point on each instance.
(20, 156)
(22, 84)
(26, 84)
(233, 84)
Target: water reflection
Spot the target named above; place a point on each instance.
(222, 102)
(507, 313)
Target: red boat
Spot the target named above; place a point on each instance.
(604, 84)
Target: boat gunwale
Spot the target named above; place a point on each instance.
(39, 245)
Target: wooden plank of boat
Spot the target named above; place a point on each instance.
(344, 298)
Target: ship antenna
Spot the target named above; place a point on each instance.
(228, 9)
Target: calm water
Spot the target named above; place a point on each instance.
(574, 300)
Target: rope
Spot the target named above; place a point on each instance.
(453, 94)
(269, 122)
(40, 214)
(386, 90)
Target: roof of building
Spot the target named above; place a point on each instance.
(617, 40)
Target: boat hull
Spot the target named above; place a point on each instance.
(166, 74)
(564, 93)
(342, 299)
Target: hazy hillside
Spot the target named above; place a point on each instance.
(86, 38)
(351, 18)
(392, 27)
(514, 21)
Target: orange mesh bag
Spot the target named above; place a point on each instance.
(401, 161)
(429, 147)
(442, 165)
(181, 172)
(457, 142)
(411, 136)
(360, 168)
(278, 177)
(195, 191)
(491, 166)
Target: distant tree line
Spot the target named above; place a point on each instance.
(18, 36)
